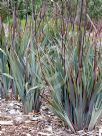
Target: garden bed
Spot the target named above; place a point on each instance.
(15, 123)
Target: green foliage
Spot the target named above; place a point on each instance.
(95, 9)
(49, 46)
(78, 104)
(26, 72)
(4, 12)
(20, 64)
(4, 79)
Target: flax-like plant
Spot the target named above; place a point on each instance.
(22, 57)
(72, 69)
(5, 78)
(77, 100)
(26, 73)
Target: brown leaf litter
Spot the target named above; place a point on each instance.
(13, 122)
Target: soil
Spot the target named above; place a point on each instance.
(15, 123)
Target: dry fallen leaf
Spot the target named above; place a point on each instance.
(10, 123)
(44, 134)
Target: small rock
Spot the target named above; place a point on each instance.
(27, 121)
(3, 130)
(15, 112)
(49, 129)
(44, 134)
(6, 123)
(26, 117)
(35, 118)
(28, 134)
(12, 112)
(100, 132)
(18, 120)
(11, 105)
(1, 133)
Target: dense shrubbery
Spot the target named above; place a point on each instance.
(95, 9)
(49, 50)
(25, 7)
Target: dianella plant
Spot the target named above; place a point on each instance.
(72, 70)
(51, 47)
(76, 92)
(20, 74)
(5, 78)
(26, 72)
